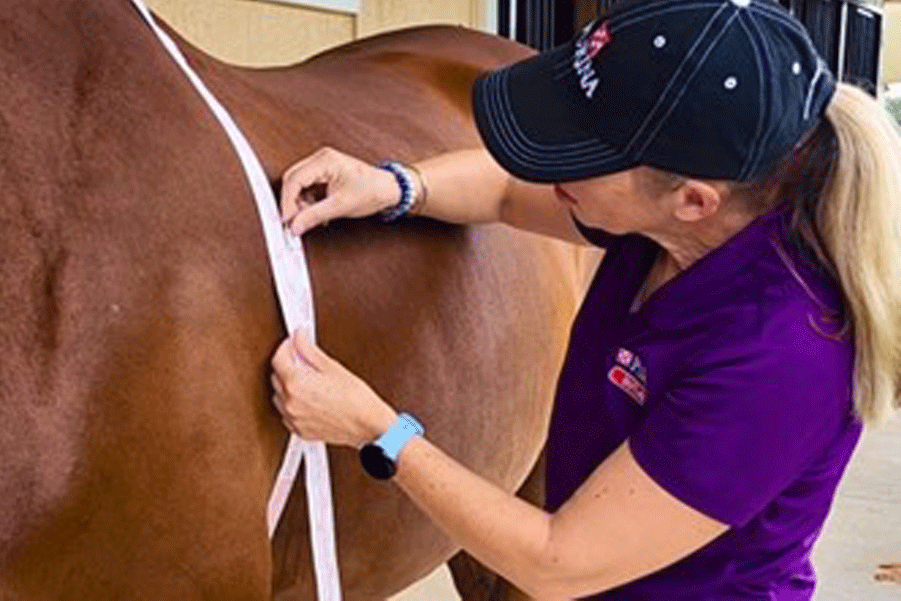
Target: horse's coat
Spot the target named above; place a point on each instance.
(137, 316)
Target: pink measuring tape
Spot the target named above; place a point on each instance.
(292, 282)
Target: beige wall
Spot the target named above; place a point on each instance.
(891, 63)
(261, 32)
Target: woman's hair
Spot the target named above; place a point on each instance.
(845, 180)
(845, 183)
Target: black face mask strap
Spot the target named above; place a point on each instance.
(598, 237)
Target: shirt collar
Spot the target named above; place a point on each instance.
(717, 270)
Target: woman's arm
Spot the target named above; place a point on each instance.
(465, 186)
(618, 526)
(468, 186)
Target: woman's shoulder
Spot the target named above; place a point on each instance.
(780, 308)
(788, 332)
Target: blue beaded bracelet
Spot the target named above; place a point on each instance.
(407, 190)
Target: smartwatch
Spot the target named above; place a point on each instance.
(379, 457)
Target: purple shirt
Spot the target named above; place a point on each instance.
(732, 396)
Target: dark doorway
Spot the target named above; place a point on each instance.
(848, 33)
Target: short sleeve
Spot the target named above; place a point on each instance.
(750, 417)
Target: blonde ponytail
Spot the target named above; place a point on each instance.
(858, 237)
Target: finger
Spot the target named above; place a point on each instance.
(309, 216)
(315, 169)
(308, 351)
(291, 188)
(279, 387)
(284, 359)
(279, 404)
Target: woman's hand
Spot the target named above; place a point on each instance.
(320, 399)
(352, 188)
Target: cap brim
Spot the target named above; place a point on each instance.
(534, 118)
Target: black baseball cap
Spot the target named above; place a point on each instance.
(718, 89)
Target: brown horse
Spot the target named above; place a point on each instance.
(137, 313)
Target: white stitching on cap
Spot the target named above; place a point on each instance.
(502, 94)
(766, 135)
(528, 146)
(514, 145)
(821, 68)
(774, 15)
(672, 80)
(518, 143)
(698, 67)
(757, 143)
(563, 69)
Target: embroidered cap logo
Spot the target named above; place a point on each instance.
(598, 40)
(586, 50)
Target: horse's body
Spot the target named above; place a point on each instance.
(137, 314)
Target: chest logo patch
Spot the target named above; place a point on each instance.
(633, 364)
(629, 375)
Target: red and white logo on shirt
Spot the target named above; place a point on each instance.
(629, 375)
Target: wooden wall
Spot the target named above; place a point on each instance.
(891, 61)
(266, 32)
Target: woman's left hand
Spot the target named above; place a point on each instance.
(320, 399)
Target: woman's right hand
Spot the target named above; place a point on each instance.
(351, 187)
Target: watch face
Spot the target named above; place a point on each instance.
(413, 423)
(376, 462)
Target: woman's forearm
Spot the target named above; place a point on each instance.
(502, 531)
(468, 186)
(464, 186)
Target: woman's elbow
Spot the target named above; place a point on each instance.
(549, 580)
(563, 579)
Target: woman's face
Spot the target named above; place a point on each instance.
(618, 203)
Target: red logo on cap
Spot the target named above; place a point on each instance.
(599, 39)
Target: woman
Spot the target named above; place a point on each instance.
(744, 322)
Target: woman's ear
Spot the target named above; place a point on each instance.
(697, 199)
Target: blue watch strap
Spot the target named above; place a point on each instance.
(399, 434)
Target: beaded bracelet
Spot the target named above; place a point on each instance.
(419, 207)
(407, 190)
